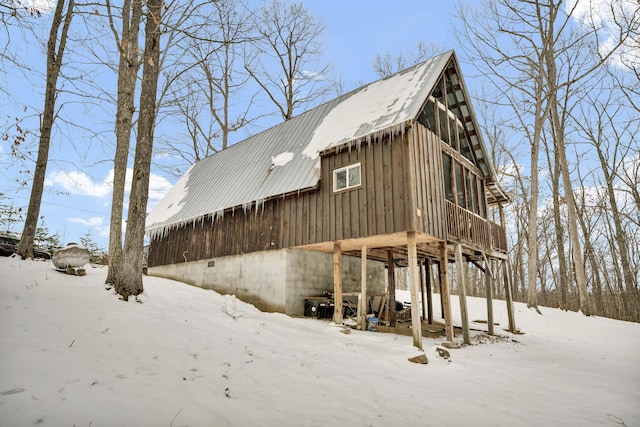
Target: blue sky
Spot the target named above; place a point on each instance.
(356, 30)
(77, 192)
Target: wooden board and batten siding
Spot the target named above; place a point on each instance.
(237, 232)
(429, 183)
(379, 206)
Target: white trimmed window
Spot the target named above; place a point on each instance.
(347, 177)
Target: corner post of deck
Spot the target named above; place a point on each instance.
(416, 324)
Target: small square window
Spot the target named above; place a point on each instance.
(347, 177)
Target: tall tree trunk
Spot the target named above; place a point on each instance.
(563, 276)
(617, 272)
(578, 262)
(558, 133)
(540, 116)
(532, 232)
(559, 227)
(129, 276)
(590, 255)
(55, 52)
(128, 67)
(630, 280)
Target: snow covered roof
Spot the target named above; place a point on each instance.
(285, 158)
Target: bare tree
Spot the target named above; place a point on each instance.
(214, 102)
(570, 62)
(128, 66)
(604, 124)
(588, 219)
(128, 278)
(14, 14)
(387, 64)
(509, 43)
(55, 51)
(530, 48)
(289, 71)
(625, 70)
(553, 168)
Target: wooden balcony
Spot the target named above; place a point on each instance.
(469, 228)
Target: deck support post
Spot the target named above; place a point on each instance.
(414, 283)
(507, 283)
(508, 297)
(462, 283)
(392, 289)
(488, 282)
(445, 295)
(429, 296)
(337, 284)
(363, 289)
(423, 291)
(440, 288)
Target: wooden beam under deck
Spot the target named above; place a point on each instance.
(427, 246)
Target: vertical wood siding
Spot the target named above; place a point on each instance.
(380, 205)
(430, 195)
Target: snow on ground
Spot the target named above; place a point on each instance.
(72, 354)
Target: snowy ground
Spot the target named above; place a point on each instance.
(72, 354)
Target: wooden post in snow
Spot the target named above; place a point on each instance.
(337, 284)
(440, 288)
(444, 284)
(488, 281)
(462, 283)
(423, 291)
(392, 289)
(508, 297)
(428, 269)
(414, 283)
(363, 288)
(507, 283)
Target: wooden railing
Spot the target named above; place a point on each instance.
(471, 228)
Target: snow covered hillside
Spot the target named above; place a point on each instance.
(72, 354)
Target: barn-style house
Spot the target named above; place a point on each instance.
(393, 173)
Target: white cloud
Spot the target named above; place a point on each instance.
(96, 225)
(158, 187)
(80, 184)
(95, 221)
(39, 5)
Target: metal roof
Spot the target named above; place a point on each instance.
(285, 158)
